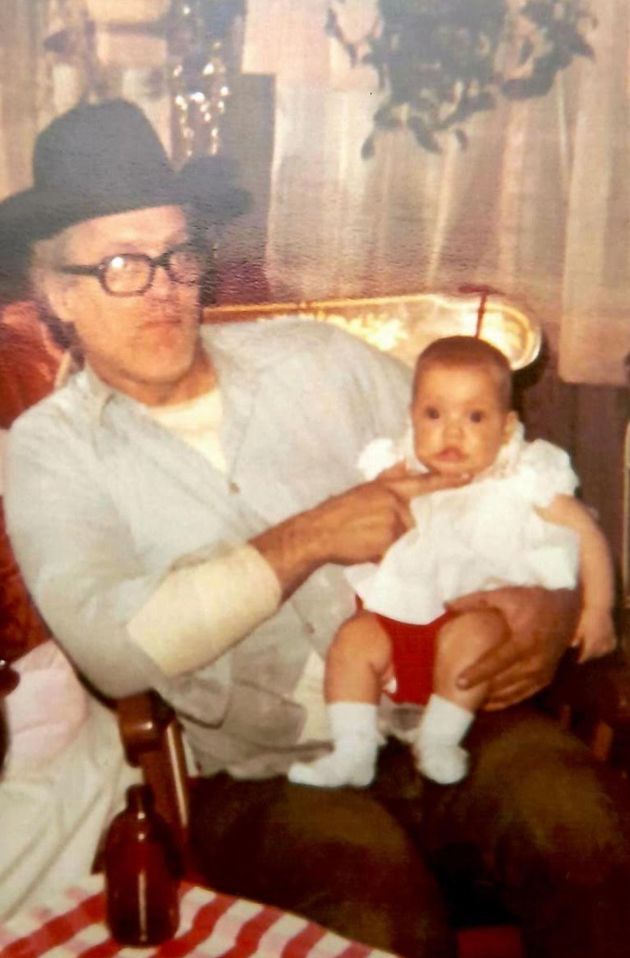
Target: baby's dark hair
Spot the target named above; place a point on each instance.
(457, 352)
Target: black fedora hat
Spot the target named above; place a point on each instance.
(89, 162)
(100, 159)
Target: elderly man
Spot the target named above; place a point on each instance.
(182, 510)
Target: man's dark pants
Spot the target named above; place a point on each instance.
(536, 818)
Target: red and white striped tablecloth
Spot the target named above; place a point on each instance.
(212, 926)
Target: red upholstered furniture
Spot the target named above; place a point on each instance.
(28, 364)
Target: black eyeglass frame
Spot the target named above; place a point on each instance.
(163, 261)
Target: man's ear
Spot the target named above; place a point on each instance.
(59, 294)
(511, 422)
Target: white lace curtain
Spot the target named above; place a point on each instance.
(537, 206)
(20, 90)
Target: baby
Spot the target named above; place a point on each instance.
(516, 523)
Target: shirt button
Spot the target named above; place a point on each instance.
(309, 628)
(233, 486)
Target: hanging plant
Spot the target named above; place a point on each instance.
(439, 62)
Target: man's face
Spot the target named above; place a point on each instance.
(458, 419)
(144, 345)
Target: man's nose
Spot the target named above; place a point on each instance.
(162, 283)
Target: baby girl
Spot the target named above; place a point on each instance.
(516, 523)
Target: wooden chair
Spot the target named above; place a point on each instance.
(592, 700)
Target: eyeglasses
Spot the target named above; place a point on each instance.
(131, 274)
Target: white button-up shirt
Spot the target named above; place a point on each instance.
(103, 504)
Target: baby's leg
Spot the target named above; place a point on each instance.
(450, 710)
(358, 663)
(357, 666)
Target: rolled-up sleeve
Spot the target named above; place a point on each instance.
(182, 626)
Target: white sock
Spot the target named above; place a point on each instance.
(352, 761)
(443, 726)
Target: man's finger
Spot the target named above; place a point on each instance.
(512, 681)
(470, 602)
(398, 471)
(403, 513)
(495, 660)
(516, 693)
(408, 487)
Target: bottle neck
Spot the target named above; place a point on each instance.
(140, 799)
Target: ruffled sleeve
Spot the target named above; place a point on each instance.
(383, 453)
(379, 454)
(544, 471)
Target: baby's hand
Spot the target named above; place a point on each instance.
(595, 633)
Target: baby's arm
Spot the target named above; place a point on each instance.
(595, 632)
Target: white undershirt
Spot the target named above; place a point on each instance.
(183, 626)
(198, 422)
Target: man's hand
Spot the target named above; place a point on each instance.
(541, 624)
(360, 525)
(356, 526)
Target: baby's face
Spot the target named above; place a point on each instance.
(458, 419)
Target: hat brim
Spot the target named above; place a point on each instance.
(36, 214)
(208, 185)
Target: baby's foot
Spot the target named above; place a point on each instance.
(444, 764)
(354, 768)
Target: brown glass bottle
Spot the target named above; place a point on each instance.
(141, 874)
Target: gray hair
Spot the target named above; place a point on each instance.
(47, 256)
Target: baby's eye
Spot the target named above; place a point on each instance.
(477, 415)
(431, 412)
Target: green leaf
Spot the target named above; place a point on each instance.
(461, 138)
(580, 47)
(386, 119)
(522, 88)
(424, 137)
(527, 48)
(368, 148)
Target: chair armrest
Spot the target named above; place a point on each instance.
(593, 699)
(152, 740)
(142, 721)
(600, 688)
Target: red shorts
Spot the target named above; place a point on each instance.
(413, 657)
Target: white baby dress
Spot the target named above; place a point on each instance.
(481, 536)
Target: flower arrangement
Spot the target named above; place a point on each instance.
(439, 62)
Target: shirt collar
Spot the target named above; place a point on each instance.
(99, 392)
